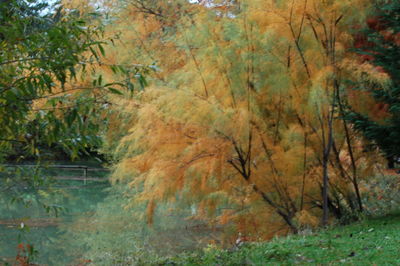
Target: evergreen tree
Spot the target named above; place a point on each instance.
(379, 46)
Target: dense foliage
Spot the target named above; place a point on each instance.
(380, 45)
(256, 118)
(41, 51)
(244, 120)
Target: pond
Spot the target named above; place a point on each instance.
(42, 216)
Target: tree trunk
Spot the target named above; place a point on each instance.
(325, 192)
(390, 162)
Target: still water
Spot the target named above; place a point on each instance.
(42, 217)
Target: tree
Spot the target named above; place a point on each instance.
(46, 92)
(53, 92)
(243, 119)
(378, 45)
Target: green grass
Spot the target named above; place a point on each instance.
(370, 242)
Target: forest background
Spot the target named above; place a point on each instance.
(250, 118)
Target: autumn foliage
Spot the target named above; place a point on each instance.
(242, 118)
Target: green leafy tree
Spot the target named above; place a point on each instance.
(45, 55)
(48, 97)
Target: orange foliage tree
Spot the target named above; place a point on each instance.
(242, 119)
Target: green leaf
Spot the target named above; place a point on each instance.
(103, 53)
(114, 91)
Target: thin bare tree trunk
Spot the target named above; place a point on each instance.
(304, 171)
(353, 162)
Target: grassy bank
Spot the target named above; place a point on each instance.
(370, 242)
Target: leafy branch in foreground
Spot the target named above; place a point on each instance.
(48, 57)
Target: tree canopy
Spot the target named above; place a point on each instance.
(46, 92)
(245, 117)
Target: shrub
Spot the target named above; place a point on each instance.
(382, 195)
